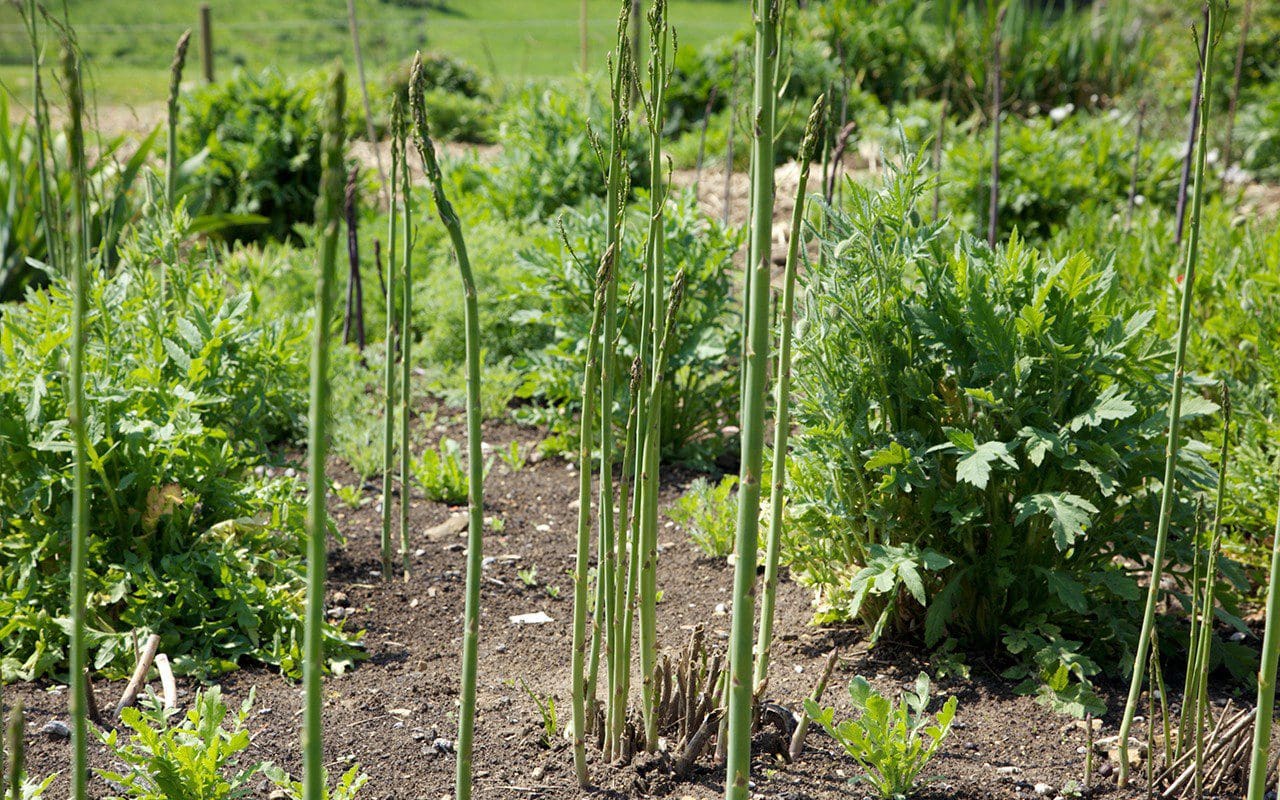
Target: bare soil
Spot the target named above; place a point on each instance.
(388, 713)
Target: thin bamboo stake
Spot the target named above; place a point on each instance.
(475, 455)
(1175, 415)
(79, 437)
(1235, 83)
(997, 98)
(354, 25)
(782, 398)
(756, 358)
(329, 215)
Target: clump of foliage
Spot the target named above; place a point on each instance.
(440, 473)
(251, 146)
(200, 755)
(458, 100)
(893, 743)
(1258, 135)
(903, 49)
(978, 433)
(702, 375)
(189, 388)
(709, 514)
(548, 160)
(196, 757)
(1050, 169)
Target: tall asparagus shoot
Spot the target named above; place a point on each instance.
(406, 342)
(329, 214)
(175, 87)
(389, 357)
(1266, 679)
(16, 754)
(610, 553)
(1169, 485)
(1197, 100)
(475, 458)
(78, 410)
(756, 355)
(589, 381)
(997, 100)
(782, 394)
(41, 120)
(650, 453)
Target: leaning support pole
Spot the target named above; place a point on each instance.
(782, 424)
(1173, 444)
(756, 357)
(475, 457)
(329, 215)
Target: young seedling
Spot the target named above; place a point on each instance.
(475, 456)
(893, 743)
(329, 215)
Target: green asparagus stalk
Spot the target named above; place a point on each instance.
(756, 357)
(175, 86)
(406, 342)
(78, 411)
(17, 753)
(1267, 678)
(778, 471)
(329, 215)
(389, 357)
(1167, 496)
(475, 456)
(589, 386)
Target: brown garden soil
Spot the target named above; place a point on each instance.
(388, 712)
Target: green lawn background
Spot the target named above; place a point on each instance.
(129, 43)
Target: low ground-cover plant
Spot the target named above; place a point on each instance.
(709, 513)
(188, 390)
(978, 430)
(892, 742)
(704, 346)
(200, 754)
(251, 146)
(440, 473)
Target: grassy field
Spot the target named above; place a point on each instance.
(129, 42)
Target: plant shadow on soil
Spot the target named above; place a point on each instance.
(392, 711)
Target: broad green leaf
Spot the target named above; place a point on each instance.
(1069, 514)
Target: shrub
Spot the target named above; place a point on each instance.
(893, 743)
(904, 49)
(1258, 135)
(702, 384)
(188, 389)
(547, 160)
(457, 98)
(709, 514)
(978, 430)
(1048, 170)
(252, 147)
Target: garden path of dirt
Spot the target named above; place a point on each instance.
(389, 711)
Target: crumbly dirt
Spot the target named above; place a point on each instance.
(388, 713)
